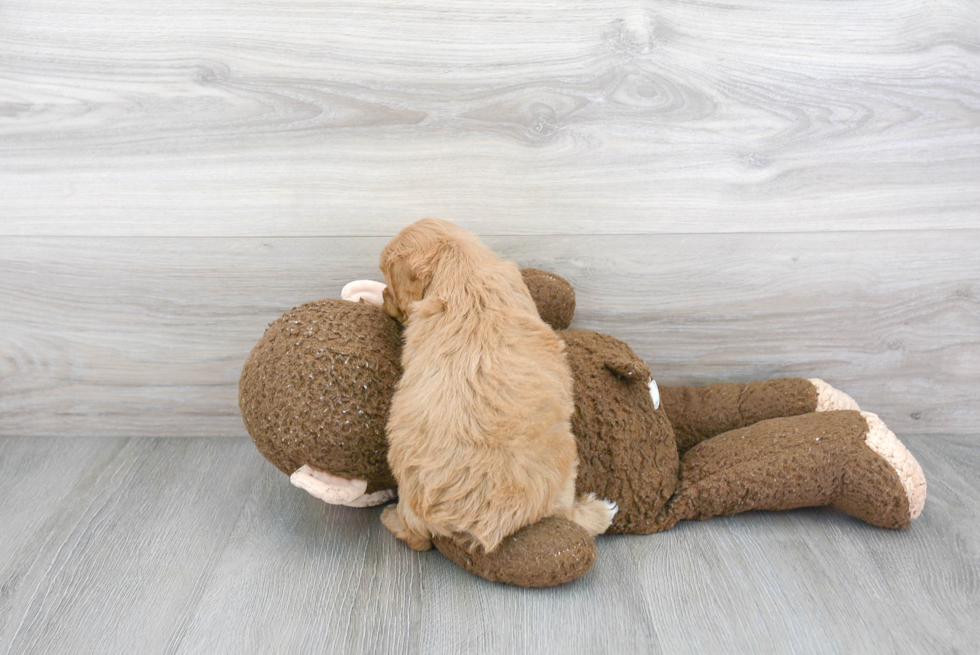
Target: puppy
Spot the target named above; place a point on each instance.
(479, 432)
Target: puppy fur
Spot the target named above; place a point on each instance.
(479, 432)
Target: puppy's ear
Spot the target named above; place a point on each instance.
(409, 278)
(390, 305)
(429, 307)
(405, 287)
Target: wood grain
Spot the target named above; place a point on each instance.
(335, 118)
(200, 546)
(36, 476)
(128, 552)
(146, 337)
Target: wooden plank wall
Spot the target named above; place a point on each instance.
(739, 190)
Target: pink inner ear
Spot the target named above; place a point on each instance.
(328, 488)
(336, 490)
(367, 291)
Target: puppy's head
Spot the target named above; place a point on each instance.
(410, 262)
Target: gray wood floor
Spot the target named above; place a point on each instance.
(116, 545)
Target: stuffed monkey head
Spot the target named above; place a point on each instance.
(316, 390)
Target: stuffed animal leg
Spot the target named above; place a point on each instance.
(698, 413)
(840, 458)
(844, 459)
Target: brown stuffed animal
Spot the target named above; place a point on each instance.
(315, 392)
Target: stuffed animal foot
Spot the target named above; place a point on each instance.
(860, 493)
(846, 459)
(830, 399)
(550, 552)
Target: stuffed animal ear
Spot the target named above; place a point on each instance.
(629, 368)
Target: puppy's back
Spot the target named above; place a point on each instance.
(480, 434)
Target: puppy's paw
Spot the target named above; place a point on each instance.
(594, 515)
(392, 519)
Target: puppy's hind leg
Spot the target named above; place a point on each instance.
(406, 526)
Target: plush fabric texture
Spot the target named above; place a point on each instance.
(814, 460)
(548, 553)
(626, 448)
(317, 387)
(316, 390)
(699, 413)
(884, 442)
(553, 295)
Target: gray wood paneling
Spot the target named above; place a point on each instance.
(200, 546)
(298, 118)
(146, 336)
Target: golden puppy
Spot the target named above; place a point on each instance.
(479, 433)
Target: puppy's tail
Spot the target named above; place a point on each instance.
(593, 514)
